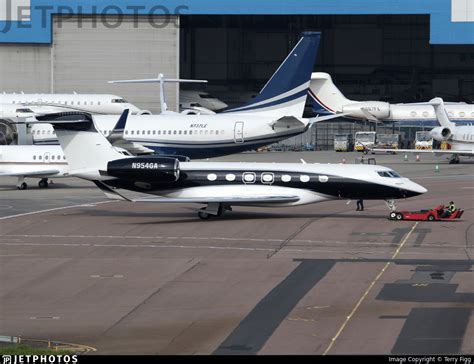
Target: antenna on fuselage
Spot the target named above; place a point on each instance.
(161, 80)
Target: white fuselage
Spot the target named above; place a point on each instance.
(196, 136)
(326, 96)
(29, 159)
(462, 138)
(52, 103)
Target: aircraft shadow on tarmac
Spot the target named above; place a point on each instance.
(190, 216)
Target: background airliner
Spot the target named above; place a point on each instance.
(460, 138)
(275, 114)
(328, 99)
(52, 103)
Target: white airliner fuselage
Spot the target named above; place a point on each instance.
(327, 98)
(51, 103)
(460, 138)
(196, 136)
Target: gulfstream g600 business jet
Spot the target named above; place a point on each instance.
(275, 114)
(219, 185)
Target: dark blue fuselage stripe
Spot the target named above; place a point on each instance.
(273, 103)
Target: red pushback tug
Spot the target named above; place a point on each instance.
(426, 215)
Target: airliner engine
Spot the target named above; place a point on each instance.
(441, 133)
(145, 169)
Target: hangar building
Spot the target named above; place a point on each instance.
(403, 51)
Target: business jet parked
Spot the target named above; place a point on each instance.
(275, 114)
(220, 185)
(53, 103)
(328, 99)
(460, 138)
(32, 161)
(42, 161)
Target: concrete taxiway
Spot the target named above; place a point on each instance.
(319, 279)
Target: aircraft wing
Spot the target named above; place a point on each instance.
(29, 173)
(235, 200)
(291, 121)
(230, 200)
(132, 147)
(318, 118)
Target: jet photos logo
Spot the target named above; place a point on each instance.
(106, 15)
(34, 359)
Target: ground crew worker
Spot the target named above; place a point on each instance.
(449, 209)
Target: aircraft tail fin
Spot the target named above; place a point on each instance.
(325, 97)
(286, 91)
(440, 112)
(87, 151)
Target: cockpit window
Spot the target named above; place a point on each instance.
(119, 101)
(24, 110)
(389, 174)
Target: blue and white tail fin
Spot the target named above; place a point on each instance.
(286, 91)
(325, 97)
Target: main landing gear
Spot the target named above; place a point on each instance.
(454, 159)
(22, 185)
(213, 209)
(43, 183)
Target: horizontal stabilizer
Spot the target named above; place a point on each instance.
(369, 116)
(318, 118)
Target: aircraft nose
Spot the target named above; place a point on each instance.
(416, 189)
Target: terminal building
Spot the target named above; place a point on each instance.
(403, 51)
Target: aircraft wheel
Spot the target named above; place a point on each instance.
(23, 186)
(43, 183)
(203, 215)
(431, 218)
(393, 215)
(399, 216)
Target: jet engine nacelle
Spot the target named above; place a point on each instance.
(144, 112)
(441, 133)
(145, 169)
(378, 109)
